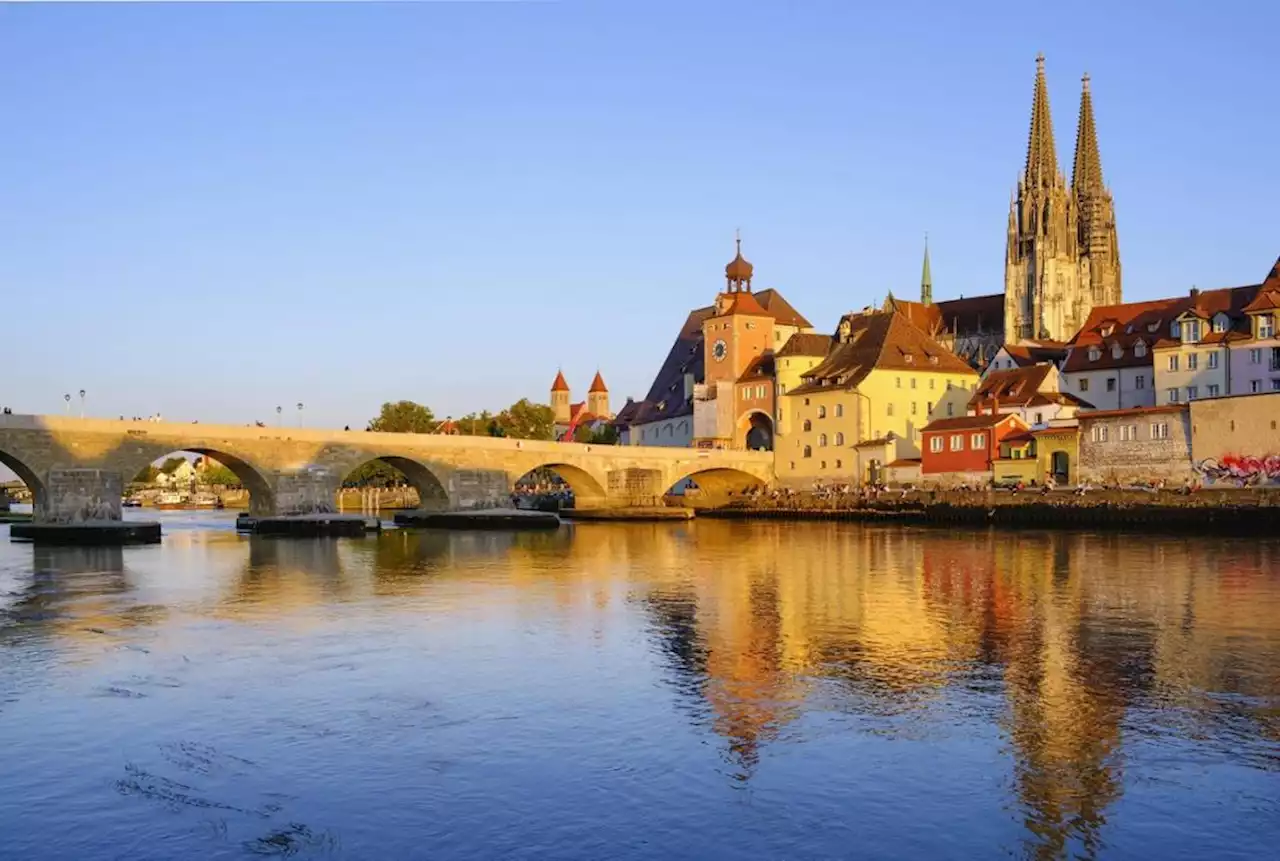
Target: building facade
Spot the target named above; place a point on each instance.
(1138, 446)
(1255, 361)
(1235, 441)
(1062, 253)
(592, 413)
(962, 450)
(1034, 393)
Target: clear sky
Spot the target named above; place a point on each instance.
(209, 210)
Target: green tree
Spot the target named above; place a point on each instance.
(398, 417)
(404, 417)
(605, 434)
(478, 424)
(527, 420)
(146, 475)
(218, 475)
(171, 463)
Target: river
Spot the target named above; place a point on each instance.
(693, 691)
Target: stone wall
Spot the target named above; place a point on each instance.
(636, 487)
(1236, 440)
(80, 495)
(1142, 459)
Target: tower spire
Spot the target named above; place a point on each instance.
(1042, 158)
(926, 277)
(1086, 173)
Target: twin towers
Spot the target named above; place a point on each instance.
(1062, 257)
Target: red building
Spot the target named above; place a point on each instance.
(964, 446)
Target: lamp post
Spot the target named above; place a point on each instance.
(82, 403)
(299, 413)
(67, 398)
(279, 416)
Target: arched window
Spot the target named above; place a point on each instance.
(822, 440)
(839, 410)
(808, 425)
(808, 451)
(839, 439)
(822, 412)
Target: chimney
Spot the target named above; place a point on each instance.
(1195, 292)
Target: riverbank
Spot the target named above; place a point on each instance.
(1236, 511)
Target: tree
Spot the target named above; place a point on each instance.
(526, 420)
(404, 417)
(398, 417)
(605, 434)
(478, 424)
(218, 476)
(146, 475)
(170, 464)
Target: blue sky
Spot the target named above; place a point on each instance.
(209, 210)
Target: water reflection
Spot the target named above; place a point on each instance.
(1075, 660)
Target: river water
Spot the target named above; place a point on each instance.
(705, 690)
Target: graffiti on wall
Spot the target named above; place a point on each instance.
(1238, 470)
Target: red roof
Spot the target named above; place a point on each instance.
(1123, 326)
(1268, 298)
(744, 303)
(1032, 354)
(597, 385)
(1132, 411)
(1015, 387)
(986, 420)
(560, 385)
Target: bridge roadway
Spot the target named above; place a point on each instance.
(77, 468)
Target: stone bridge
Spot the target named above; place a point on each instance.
(77, 468)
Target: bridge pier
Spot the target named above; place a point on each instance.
(82, 506)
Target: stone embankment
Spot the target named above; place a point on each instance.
(1235, 511)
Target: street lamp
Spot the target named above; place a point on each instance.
(67, 398)
(299, 413)
(82, 403)
(279, 417)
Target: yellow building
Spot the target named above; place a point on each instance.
(882, 375)
(802, 352)
(1058, 453)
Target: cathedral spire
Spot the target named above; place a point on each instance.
(926, 277)
(1042, 158)
(1086, 174)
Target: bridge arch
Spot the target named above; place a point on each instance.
(27, 475)
(588, 490)
(262, 495)
(716, 486)
(432, 493)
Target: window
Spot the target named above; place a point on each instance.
(1083, 384)
(1140, 381)
(1191, 331)
(1116, 351)
(1255, 356)
(1172, 395)
(1140, 349)
(957, 442)
(839, 439)
(931, 381)
(808, 451)
(1175, 329)
(935, 444)
(889, 407)
(822, 412)
(759, 391)
(1098, 433)
(793, 464)
(822, 440)
(913, 408)
(1111, 384)
(808, 425)
(898, 381)
(1275, 385)
(1255, 386)
(1159, 430)
(1266, 325)
(951, 408)
(806, 402)
(1212, 390)
(1094, 354)
(928, 408)
(978, 441)
(1220, 323)
(838, 464)
(1193, 361)
(822, 465)
(1275, 358)
(839, 410)
(1173, 363)
(1039, 418)
(1193, 392)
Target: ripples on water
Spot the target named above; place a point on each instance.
(710, 690)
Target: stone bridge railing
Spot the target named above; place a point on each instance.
(78, 468)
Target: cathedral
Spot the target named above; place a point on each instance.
(1062, 256)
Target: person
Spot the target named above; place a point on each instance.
(346, 427)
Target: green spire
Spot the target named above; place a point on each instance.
(926, 277)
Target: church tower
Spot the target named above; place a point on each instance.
(1095, 213)
(926, 278)
(739, 329)
(598, 398)
(1042, 296)
(560, 399)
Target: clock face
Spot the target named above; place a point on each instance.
(719, 350)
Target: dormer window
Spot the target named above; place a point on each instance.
(1153, 326)
(933, 360)
(908, 358)
(1266, 326)
(1190, 331)
(1107, 329)
(1128, 330)
(1094, 354)
(1116, 351)
(1219, 323)
(1140, 349)
(1175, 329)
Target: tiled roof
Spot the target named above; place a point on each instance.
(807, 344)
(1126, 325)
(879, 340)
(986, 420)
(1044, 399)
(597, 385)
(1268, 298)
(1015, 387)
(628, 412)
(780, 309)
(1132, 411)
(975, 314)
(1032, 354)
(744, 303)
(559, 385)
(761, 367)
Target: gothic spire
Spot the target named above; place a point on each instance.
(1042, 158)
(1086, 175)
(926, 277)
